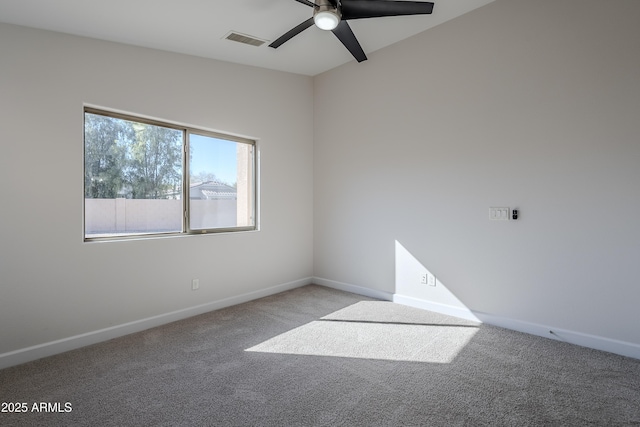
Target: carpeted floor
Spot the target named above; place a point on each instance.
(316, 356)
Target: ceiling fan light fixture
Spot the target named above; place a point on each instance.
(326, 17)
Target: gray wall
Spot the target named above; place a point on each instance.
(54, 286)
(528, 104)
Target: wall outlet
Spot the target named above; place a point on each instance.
(428, 279)
(431, 280)
(195, 284)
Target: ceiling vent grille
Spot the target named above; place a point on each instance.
(243, 38)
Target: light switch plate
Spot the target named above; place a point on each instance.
(499, 213)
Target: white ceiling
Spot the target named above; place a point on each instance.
(198, 27)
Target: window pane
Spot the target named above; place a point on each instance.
(132, 177)
(221, 189)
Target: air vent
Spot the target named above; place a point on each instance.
(243, 38)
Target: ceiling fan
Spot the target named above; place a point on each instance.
(333, 15)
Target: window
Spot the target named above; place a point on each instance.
(144, 177)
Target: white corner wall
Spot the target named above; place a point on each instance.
(520, 103)
(54, 287)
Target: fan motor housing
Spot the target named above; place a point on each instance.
(326, 16)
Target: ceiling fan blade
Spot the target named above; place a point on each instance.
(345, 35)
(307, 2)
(358, 9)
(291, 33)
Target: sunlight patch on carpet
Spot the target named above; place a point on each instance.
(376, 330)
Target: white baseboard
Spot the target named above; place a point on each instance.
(28, 354)
(622, 348)
(463, 313)
(354, 289)
(39, 351)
